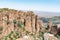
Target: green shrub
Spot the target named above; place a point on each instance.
(20, 24)
(8, 21)
(27, 32)
(12, 36)
(1, 28)
(7, 15)
(14, 21)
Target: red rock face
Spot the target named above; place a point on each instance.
(28, 23)
(37, 28)
(29, 20)
(33, 24)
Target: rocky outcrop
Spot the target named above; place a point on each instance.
(25, 38)
(13, 19)
(48, 36)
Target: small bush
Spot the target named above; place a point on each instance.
(8, 21)
(12, 36)
(14, 21)
(20, 24)
(27, 32)
(7, 15)
(1, 28)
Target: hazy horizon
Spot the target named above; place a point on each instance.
(46, 14)
(40, 5)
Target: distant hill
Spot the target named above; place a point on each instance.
(49, 16)
(45, 20)
(55, 19)
(46, 14)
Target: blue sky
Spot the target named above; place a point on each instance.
(39, 5)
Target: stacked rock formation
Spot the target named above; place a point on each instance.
(9, 19)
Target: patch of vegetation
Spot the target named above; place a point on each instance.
(8, 21)
(7, 15)
(27, 32)
(5, 9)
(12, 36)
(14, 21)
(20, 24)
(1, 28)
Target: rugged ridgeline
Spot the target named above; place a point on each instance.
(11, 20)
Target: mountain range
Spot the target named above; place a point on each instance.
(46, 14)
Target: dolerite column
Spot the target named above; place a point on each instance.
(4, 24)
(36, 25)
(1, 17)
(49, 25)
(33, 23)
(15, 14)
(28, 22)
(11, 27)
(1, 23)
(22, 17)
(11, 18)
(41, 25)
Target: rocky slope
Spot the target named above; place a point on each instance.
(15, 24)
